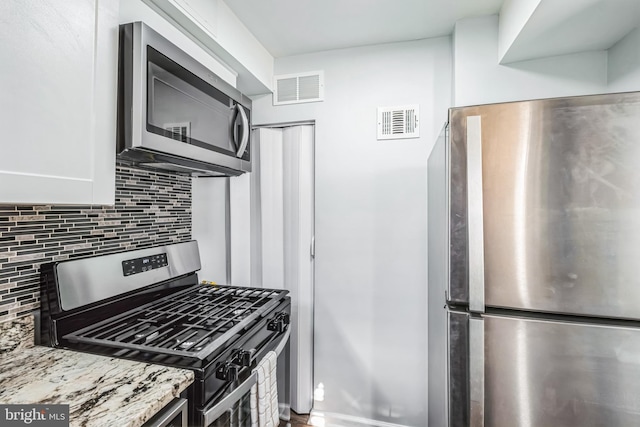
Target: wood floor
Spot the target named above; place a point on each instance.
(297, 420)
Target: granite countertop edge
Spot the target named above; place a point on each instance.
(100, 391)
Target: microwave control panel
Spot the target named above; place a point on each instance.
(147, 263)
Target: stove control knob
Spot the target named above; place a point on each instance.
(242, 357)
(245, 358)
(278, 323)
(232, 372)
(275, 325)
(221, 371)
(227, 371)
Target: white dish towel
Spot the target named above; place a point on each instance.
(264, 393)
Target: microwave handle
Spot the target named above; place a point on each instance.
(245, 131)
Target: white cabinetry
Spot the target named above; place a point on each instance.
(58, 79)
(213, 26)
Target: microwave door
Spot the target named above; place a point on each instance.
(176, 114)
(180, 111)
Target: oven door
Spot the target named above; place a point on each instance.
(234, 409)
(173, 415)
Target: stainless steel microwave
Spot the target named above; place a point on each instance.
(176, 114)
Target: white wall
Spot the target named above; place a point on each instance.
(209, 228)
(480, 79)
(370, 291)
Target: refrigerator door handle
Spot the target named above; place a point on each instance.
(475, 227)
(476, 372)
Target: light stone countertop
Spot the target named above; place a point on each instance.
(16, 334)
(100, 391)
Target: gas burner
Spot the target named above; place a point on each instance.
(188, 339)
(183, 323)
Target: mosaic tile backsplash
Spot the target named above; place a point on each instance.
(151, 209)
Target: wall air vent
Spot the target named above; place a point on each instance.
(298, 88)
(398, 122)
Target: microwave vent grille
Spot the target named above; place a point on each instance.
(398, 122)
(180, 131)
(298, 88)
(166, 166)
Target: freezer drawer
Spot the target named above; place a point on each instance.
(541, 373)
(545, 205)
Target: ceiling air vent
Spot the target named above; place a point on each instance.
(398, 122)
(298, 88)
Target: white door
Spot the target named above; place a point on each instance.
(282, 229)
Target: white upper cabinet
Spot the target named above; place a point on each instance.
(58, 84)
(212, 25)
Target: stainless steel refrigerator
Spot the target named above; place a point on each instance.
(534, 264)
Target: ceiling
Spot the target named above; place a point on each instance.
(293, 27)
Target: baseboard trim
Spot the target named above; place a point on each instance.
(332, 419)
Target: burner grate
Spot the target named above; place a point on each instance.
(190, 323)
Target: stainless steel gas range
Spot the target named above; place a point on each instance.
(148, 305)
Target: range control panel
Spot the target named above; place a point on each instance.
(140, 265)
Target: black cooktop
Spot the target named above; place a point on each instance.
(189, 323)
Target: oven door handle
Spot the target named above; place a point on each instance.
(283, 342)
(227, 403)
(258, 354)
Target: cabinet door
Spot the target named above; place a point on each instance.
(58, 101)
